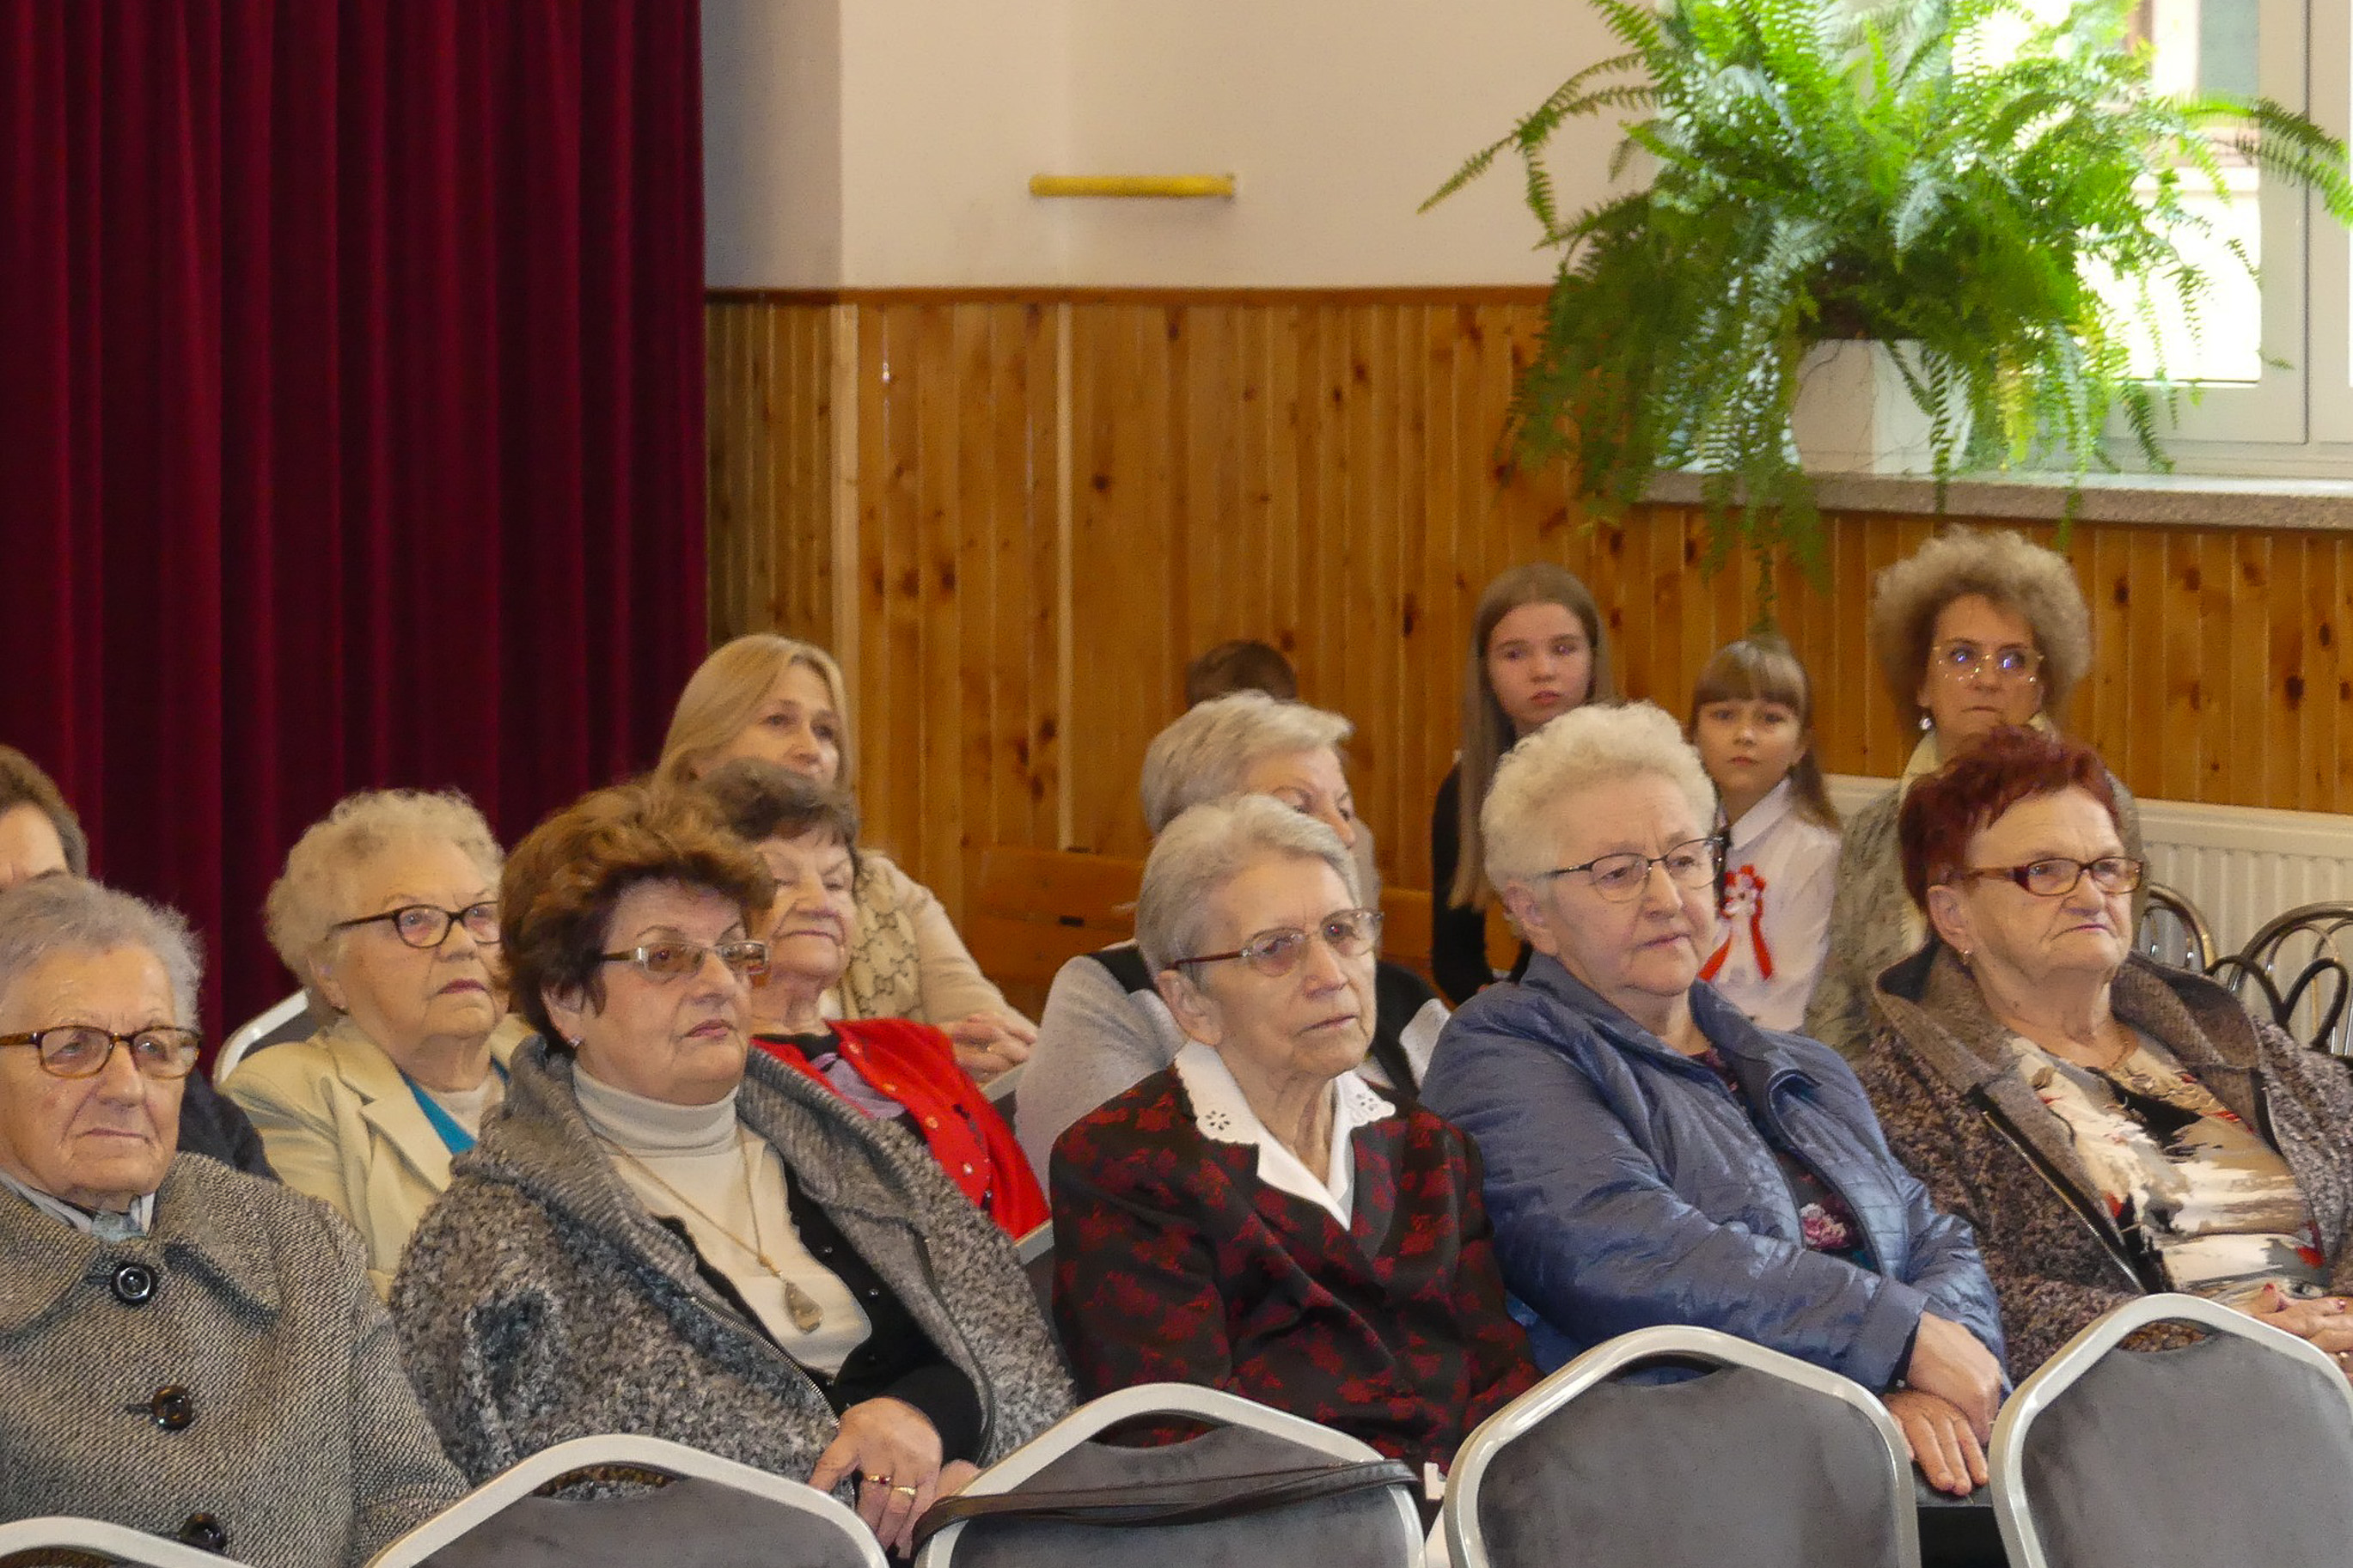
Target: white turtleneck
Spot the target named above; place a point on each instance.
(728, 1173)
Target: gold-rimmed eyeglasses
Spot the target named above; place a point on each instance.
(676, 960)
(1351, 934)
(1960, 659)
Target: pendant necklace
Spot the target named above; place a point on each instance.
(799, 1304)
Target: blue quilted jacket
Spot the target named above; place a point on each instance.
(1629, 1187)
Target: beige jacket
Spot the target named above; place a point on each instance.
(340, 1125)
(906, 960)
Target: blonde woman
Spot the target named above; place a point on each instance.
(784, 702)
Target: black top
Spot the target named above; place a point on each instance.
(1457, 934)
(211, 1124)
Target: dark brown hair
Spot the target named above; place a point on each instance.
(758, 800)
(22, 782)
(1244, 664)
(1764, 669)
(561, 881)
(1945, 811)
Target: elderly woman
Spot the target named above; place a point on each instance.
(388, 913)
(892, 1069)
(666, 1233)
(267, 1416)
(1973, 632)
(1105, 1025)
(1654, 1157)
(772, 698)
(1257, 1215)
(2110, 1126)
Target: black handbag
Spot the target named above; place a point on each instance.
(1170, 1503)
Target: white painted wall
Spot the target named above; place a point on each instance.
(909, 167)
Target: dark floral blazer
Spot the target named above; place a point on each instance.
(1175, 1263)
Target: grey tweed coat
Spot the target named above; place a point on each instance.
(539, 1301)
(302, 1440)
(1941, 1079)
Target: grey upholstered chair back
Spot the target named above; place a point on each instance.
(2235, 1449)
(1761, 1460)
(1366, 1529)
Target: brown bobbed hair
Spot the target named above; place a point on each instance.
(759, 800)
(1244, 664)
(1487, 731)
(1947, 809)
(2036, 584)
(1765, 668)
(22, 782)
(556, 899)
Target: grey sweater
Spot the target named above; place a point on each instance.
(539, 1301)
(303, 1442)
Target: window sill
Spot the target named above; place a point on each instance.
(2179, 501)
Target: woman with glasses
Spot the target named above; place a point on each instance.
(1258, 1216)
(2111, 1126)
(668, 1232)
(1973, 631)
(1654, 1157)
(185, 1350)
(387, 912)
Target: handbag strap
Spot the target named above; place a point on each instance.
(1168, 1503)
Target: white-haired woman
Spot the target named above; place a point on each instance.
(184, 1349)
(1973, 631)
(387, 912)
(1257, 1216)
(1654, 1157)
(1105, 1025)
(784, 702)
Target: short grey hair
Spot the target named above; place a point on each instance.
(303, 903)
(1595, 744)
(1208, 846)
(1204, 754)
(53, 915)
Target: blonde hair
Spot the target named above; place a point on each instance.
(1486, 727)
(2030, 582)
(1584, 747)
(305, 902)
(1765, 668)
(1203, 754)
(724, 695)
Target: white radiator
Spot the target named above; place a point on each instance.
(2239, 865)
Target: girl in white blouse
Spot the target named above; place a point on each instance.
(1752, 720)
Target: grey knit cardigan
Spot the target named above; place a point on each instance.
(539, 1301)
(1941, 1076)
(294, 1430)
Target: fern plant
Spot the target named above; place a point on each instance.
(1825, 170)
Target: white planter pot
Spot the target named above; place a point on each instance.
(1856, 415)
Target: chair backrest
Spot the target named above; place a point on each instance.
(59, 1539)
(1379, 1529)
(702, 1512)
(1036, 910)
(1404, 928)
(1764, 1460)
(289, 1019)
(2237, 1449)
(2303, 956)
(2172, 932)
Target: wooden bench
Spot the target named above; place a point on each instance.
(1036, 910)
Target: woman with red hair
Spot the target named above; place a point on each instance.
(2108, 1126)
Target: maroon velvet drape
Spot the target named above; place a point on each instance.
(351, 417)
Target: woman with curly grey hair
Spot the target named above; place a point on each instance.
(1974, 631)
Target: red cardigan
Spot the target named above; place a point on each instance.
(915, 1064)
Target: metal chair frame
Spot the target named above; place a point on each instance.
(2256, 960)
(2021, 1540)
(2160, 899)
(240, 1045)
(1466, 1539)
(1153, 1399)
(97, 1537)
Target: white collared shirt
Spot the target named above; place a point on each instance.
(106, 1226)
(1775, 921)
(1223, 1115)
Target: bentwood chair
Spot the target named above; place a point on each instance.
(2172, 932)
(2298, 962)
(56, 1540)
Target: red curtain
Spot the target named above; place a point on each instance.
(351, 417)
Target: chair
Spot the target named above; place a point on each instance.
(705, 1512)
(1036, 910)
(57, 1539)
(1369, 1529)
(2172, 932)
(2237, 1449)
(2298, 964)
(287, 1020)
(1765, 1460)
(1404, 928)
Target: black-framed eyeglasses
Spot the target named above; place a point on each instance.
(1351, 934)
(1691, 864)
(2057, 877)
(1961, 659)
(747, 958)
(82, 1050)
(424, 926)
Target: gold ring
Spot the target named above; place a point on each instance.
(878, 1480)
(908, 1491)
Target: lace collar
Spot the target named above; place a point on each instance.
(1224, 1115)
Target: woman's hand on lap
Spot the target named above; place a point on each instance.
(987, 1045)
(1943, 1442)
(895, 1454)
(1950, 1363)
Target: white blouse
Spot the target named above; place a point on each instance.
(1777, 885)
(1224, 1116)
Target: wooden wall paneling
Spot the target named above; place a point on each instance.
(2340, 793)
(2325, 691)
(2242, 677)
(1408, 630)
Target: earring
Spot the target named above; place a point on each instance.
(1965, 959)
(1926, 723)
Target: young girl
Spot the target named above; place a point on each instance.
(1752, 720)
(1536, 653)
